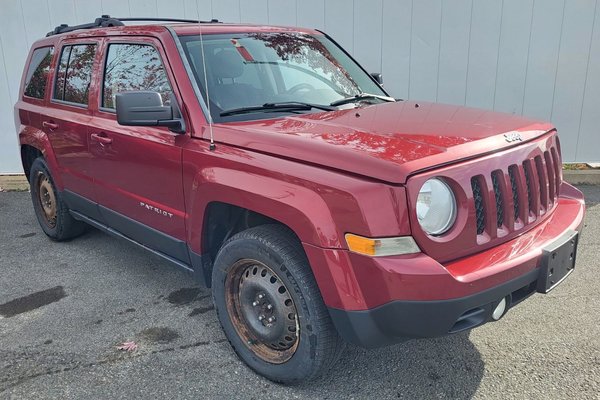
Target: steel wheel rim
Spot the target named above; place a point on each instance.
(46, 199)
(262, 311)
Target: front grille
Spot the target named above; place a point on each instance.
(533, 191)
(499, 196)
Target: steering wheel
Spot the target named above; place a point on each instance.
(299, 87)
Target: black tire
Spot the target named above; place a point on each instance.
(62, 226)
(275, 247)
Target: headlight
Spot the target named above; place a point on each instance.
(436, 207)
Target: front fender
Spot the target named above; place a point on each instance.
(300, 208)
(318, 204)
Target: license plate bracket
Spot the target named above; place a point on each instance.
(558, 261)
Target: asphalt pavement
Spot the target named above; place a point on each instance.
(65, 307)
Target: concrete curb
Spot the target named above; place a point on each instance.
(16, 182)
(578, 177)
(582, 177)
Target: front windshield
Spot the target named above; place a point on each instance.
(253, 69)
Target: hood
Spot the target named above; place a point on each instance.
(388, 141)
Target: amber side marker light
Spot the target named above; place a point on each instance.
(378, 247)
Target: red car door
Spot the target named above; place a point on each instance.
(67, 117)
(137, 170)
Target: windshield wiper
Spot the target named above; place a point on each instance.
(277, 107)
(359, 97)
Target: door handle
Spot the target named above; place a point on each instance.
(101, 138)
(50, 125)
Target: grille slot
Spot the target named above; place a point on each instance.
(557, 169)
(513, 172)
(478, 200)
(551, 180)
(543, 182)
(496, 176)
(528, 181)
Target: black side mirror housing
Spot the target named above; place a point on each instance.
(378, 77)
(146, 108)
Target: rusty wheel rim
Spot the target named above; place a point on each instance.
(46, 199)
(262, 311)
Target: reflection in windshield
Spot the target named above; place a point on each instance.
(250, 70)
(304, 50)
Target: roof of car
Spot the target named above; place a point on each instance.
(106, 25)
(211, 28)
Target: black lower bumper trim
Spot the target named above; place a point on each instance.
(401, 320)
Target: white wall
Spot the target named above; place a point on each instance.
(539, 58)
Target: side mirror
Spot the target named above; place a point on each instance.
(378, 77)
(145, 108)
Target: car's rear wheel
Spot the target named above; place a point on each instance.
(270, 307)
(51, 211)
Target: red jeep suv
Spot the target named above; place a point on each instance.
(270, 165)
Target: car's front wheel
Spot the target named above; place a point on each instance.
(270, 306)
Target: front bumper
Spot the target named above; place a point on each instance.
(378, 301)
(401, 320)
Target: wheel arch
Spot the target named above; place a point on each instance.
(28, 155)
(299, 208)
(36, 143)
(223, 220)
(218, 210)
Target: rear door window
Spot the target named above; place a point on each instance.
(132, 67)
(37, 72)
(74, 73)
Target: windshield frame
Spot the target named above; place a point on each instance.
(191, 73)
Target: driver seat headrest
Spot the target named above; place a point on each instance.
(227, 64)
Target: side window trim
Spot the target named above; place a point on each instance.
(106, 48)
(70, 45)
(64, 83)
(24, 94)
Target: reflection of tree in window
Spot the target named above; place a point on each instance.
(308, 50)
(133, 67)
(79, 74)
(37, 74)
(59, 86)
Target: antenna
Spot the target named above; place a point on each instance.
(212, 146)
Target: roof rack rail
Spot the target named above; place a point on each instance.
(193, 21)
(107, 21)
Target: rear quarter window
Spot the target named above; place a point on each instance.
(37, 72)
(74, 73)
